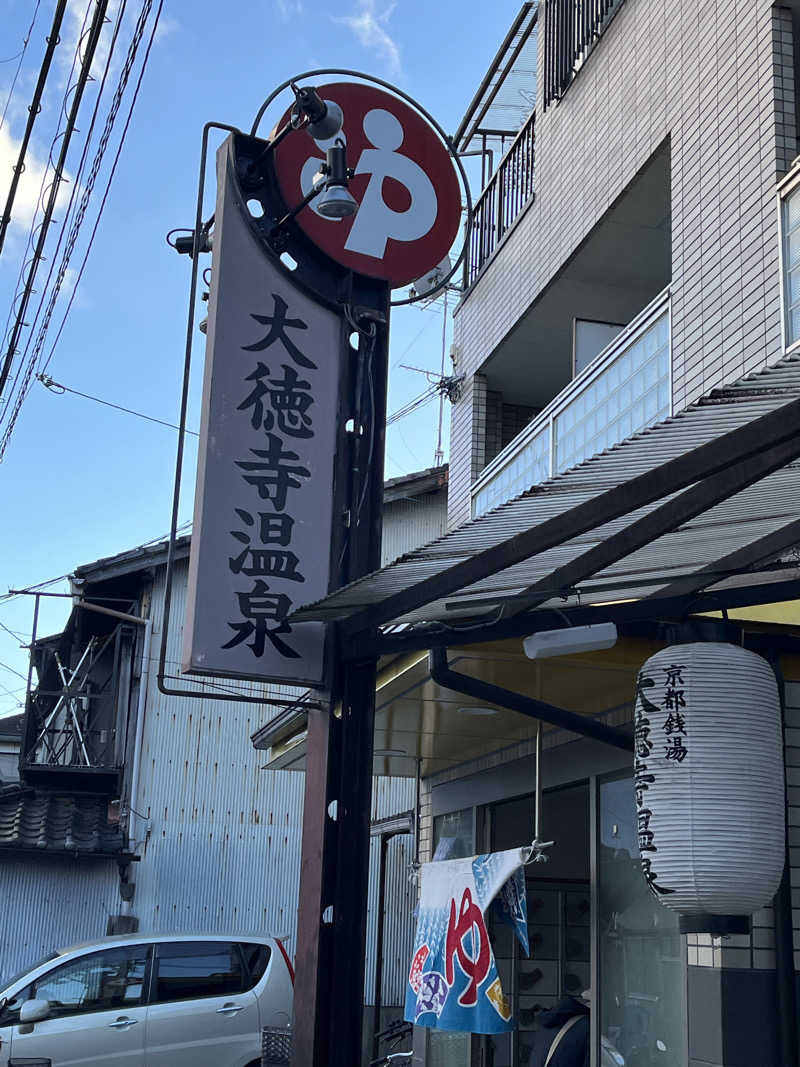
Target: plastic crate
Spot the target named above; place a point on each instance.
(276, 1046)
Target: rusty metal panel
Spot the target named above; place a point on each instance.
(48, 904)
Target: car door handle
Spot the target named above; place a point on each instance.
(122, 1023)
(230, 1009)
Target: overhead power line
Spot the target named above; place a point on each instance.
(6, 667)
(21, 57)
(68, 216)
(58, 388)
(98, 20)
(34, 109)
(124, 76)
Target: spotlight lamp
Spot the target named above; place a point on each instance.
(324, 117)
(336, 201)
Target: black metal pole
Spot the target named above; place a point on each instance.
(376, 1011)
(785, 1001)
(331, 937)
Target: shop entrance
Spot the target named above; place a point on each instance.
(559, 914)
(592, 925)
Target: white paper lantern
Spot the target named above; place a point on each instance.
(709, 781)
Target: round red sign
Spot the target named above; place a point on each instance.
(405, 184)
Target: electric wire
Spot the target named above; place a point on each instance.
(33, 111)
(36, 225)
(21, 57)
(16, 634)
(107, 190)
(98, 20)
(124, 76)
(6, 667)
(26, 290)
(58, 389)
(68, 215)
(413, 404)
(6, 598)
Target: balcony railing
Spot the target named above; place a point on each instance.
(571, 28)
(501, 202)
(625, 389)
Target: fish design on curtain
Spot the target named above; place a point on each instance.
(453, 982)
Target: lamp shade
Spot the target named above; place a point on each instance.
(709, 783)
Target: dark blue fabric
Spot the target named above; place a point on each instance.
(573, 1048)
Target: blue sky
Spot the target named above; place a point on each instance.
(80, 481)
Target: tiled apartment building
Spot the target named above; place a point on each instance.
(655, 170)
(628, 339)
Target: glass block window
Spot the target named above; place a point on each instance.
(528, 467)
(630, 394)
(790, 209)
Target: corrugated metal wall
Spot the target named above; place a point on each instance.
(219, 837)
(222, 847)
(409, 524)
(47, 904)
(391, 796)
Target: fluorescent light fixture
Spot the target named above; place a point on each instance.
(477, 711)
(572, 639)
(390, 752)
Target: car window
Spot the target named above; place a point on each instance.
(9, 1016)
(113, 978)
(256, 958)
(189, 969)
(31, 967)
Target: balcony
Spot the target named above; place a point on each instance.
(507, 194)
(625, 389)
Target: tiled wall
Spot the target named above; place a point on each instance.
(503, 422)
(717, 81)
(758, 949)
(468, 443)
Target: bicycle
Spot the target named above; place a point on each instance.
(393, 1035)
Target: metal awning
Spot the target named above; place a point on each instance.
(692, 503)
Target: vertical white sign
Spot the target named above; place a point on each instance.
(264, 498)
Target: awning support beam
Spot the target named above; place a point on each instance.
(708, 460)
(757, 552)
(664, 519)
(536, 709)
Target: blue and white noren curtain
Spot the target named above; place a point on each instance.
(453, 983)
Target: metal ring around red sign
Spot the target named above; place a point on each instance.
(446, 141)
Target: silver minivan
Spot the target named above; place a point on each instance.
(171, 1001)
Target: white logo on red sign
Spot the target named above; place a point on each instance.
(405, 183)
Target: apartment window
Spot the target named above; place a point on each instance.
(571, 29)
(790, 218)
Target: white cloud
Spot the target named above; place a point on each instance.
(29, 189)
(370, 30)
(166, 27)
(289, 9)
